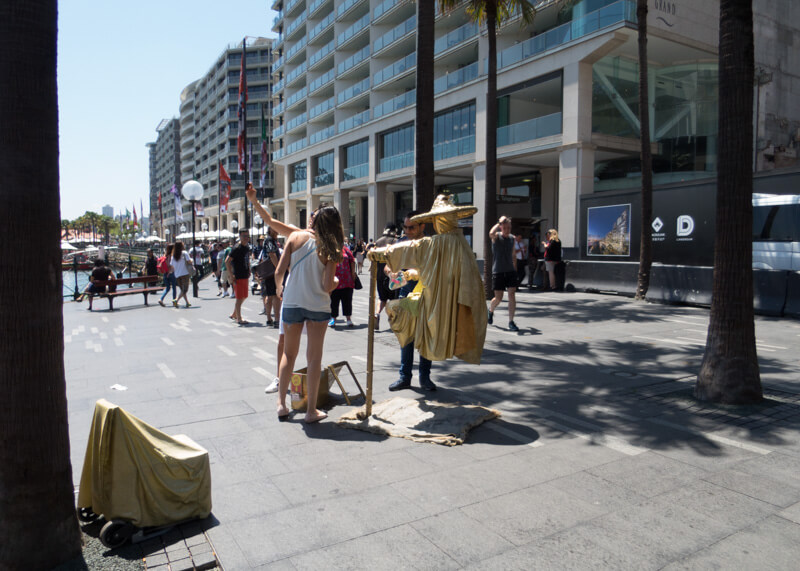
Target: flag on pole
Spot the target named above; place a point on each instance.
(242, 111)
(263, 149)
(159, 199)
(224, 189)
(127, 217)
(135, 219)
(141, 211)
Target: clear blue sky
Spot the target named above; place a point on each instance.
(121, 69)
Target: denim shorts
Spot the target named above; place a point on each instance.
(292, 315)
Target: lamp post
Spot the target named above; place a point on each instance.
(204, 228)
(234, 227)
(258, 222)
(193, 192)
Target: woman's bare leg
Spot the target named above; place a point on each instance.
(316, 338)
(291, 346)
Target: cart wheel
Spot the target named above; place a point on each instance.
(86, 515)
(115, 533)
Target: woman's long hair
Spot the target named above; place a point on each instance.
(168, 251)
(329, 233)
(177, 251)
(553, 234)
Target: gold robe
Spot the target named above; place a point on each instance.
(450, 318)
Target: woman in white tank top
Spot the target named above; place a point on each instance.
(311, 257)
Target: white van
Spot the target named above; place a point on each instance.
(776, 232)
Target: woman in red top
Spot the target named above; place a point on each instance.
(345, 271)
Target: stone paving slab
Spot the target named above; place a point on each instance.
(602, 459)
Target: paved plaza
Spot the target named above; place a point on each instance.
(601, 458)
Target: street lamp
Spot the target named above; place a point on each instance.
(258, 222)
(234, 227)
(193, 192)
(204, 228)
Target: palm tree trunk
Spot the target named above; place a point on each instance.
(729, 372)
(38, 527)
(646, 238)
(423, 140)
(490, 201)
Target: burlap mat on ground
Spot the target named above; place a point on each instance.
(420, 421)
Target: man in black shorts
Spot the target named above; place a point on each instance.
(504, 269)
(272, 302)
(384, 293)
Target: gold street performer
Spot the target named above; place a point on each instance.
(446, 313)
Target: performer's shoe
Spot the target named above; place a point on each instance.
(399, 385)
(427, 385)
(512, 326)
(491, 317)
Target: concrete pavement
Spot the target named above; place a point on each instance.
(601, 459)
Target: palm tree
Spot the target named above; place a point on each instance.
(646, 238)
(38, 527)
(65, 224)
(92, 219)
(491, 13)
(423, 126)
(729, 372)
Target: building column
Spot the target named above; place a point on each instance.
(576, 159)
(341, 200)
(479, 229)
(290, 214)
(376, 208)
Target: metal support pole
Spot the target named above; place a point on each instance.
(76, 294)
(373, 279)
(196, 276)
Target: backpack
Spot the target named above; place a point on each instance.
(163, 266)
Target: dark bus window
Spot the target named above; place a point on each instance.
(779, 223)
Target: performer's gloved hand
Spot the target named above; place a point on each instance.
(377, 255)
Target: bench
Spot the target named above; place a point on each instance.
(148, 286)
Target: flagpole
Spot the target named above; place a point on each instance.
(244, 119)
(219, 202)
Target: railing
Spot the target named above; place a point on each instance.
(278, 132)
(346, 6)
(326, 105)
(455, 78)
(356, 171)
(396, 68)
(384, 7)
(326, 77)
(296, 48)
(277, 64)
(351, 92)
(296, 97)
(353, 60)
(455, 37)
(323, 179)
(399, 102)
(544, 126)
(315, 31)
(278, 109)
(298, 186)
(395, 33)
(622, 11)
(321, 53)
(289, 5)
(315, 6)
(296, 122)
(397, 162)
(278, 153)
(296, 146)
(301, 19)
(354, 121)
(454, 148)
(322, 135)
(295, 73)
(359, 25)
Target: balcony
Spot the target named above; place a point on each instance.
(299, 21)
(354, 172)
(456, 78)
(322, 108)
(296, 122)
(316, 5)
(296, 146)
(544, 126)
(296, 98)
(277, 64)
(278, 132)
(395, 34)
(351, 92)
(295, 49)
(319, 55)
(355, 59)
(323, 179)
(278, 109)
(359, 25)
(454, 148)
(398, 67)
(298, 186)
(322, 135)
(322, 80)
(345, 7)
(455, 37)
(399, 102)
(296, 72)
(354, 121)
(397, 162)
(316, 30)
(623, 11)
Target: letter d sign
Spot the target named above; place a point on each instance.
(685, 225)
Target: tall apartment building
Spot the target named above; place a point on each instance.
(108, 210)
(165, 171)
(567, 104)
(209, 127)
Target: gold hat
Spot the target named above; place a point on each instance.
(443, 206)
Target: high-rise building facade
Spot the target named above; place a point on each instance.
(209, 127)
(165, 172)
(108, 210)
(567, 109)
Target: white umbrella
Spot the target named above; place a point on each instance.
(92, 249)
(67, 246)
(226, 234)
(153, 239)
(142, 239)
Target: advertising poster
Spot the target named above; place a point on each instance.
(608, 231)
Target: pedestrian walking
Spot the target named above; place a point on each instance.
(343, 294)
(504, 271)
(179, 266)
(238, 263)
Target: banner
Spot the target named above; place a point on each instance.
(198, 208)
(224, 189)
